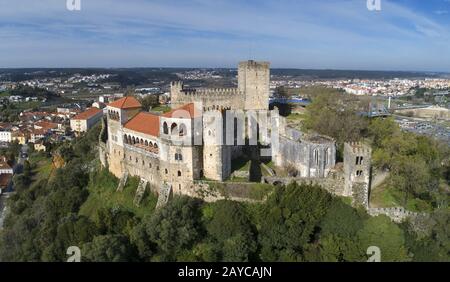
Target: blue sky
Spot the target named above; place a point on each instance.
(332, 34)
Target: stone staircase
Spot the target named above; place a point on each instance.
(164, 194)
(122, 182)
(140, 191)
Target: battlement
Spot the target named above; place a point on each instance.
(177, 83)
(357, 148)
(254, 64)
(212, 92)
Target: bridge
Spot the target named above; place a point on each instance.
(297, 101)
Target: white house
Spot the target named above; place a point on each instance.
(85, 120)
(5, 136)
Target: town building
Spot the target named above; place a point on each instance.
(6, 173)
(85, 120)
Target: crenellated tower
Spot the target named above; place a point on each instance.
(357, 172)
(254, 81)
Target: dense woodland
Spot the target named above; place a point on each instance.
(296, 223)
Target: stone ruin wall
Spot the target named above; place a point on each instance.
(396, 214)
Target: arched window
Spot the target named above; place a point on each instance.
(183, 130)
(166, 171)
(155, 146)
(316, 156)
(125, 139)
(165, 128)
(134, 140)
(178, 157)
(179, 173)
(142, 142)
(146, 143)
(174, 129)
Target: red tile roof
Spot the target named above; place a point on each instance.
(5, 179)
(144, 122)
(4, 165)
(128, 102)
(87, 114)
(181, 112)
(46, 125)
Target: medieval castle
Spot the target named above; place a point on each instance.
(199, 139)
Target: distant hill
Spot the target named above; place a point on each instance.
(351, 74)
(139, 76)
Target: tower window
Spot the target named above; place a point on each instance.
(179, 173)
(183, 130)
(178, 157)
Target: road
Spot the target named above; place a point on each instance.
(18, 168)
(2, 211)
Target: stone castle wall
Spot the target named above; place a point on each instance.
(211, 99)
(310, 156)
(396, 214)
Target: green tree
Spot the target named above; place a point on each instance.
(175, 228)
(334, 114)
(289, 221)
(108, 248)
(410, 175)
(231, 230)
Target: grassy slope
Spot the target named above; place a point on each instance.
(102, 188)
(385, 196)
(43, 166)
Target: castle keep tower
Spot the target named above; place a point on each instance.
(216, 156)
(253, 80)
(357, 170)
